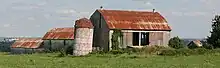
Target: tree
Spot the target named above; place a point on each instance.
(214, 39)
(115, 39)
(176, 43)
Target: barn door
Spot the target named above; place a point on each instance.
(135, 39)
(144, 38)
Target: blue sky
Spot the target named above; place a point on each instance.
(188, 18)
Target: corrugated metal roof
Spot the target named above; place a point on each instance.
(27, 43)
(60, 33)
(83, 23)
(197, 42)
(121, 19)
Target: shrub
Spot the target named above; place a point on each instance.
(117, 52)
(184, 52)
(176, 52)
(98, 52)
(207, 46)
(153, 49)
(176, 43)
(115, 39)
(168, 52)
(215, 50)
(69, 50)
(201, 51)
(62, 53)
(145, 50)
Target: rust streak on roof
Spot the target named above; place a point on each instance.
(83, 23)
(197, 42)
(121, 19)
(27, 43)
(60, 33)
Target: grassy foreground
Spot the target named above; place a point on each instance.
(94, 61)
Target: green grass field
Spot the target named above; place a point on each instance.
(108, 61)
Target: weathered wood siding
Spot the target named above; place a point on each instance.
(155, 38)
(101, 32)
(159, 38)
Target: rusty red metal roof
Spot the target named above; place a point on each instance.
(60, 33)
(197, 42)
(27, 43)
(83, 23)
(143, 20)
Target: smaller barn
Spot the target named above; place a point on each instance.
(27, 45)
(58, 38)
(194, 44)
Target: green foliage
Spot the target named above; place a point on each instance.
(187, 52)
(214, 39)
(176, 43)
(62, 53)
(69, 50)
(201, 51)
(115, 36)
(153, 50)
(207, 46)
(117, 52)
(168, 52)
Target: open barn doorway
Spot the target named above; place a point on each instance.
(140, 38)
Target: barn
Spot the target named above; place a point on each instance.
(27, 45)
(57, 38)
(139, 28)
(194, 44)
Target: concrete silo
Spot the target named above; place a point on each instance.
(83, 37)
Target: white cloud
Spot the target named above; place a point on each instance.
(47, 15)
(65, 18)
(189, 13)
(66, 11)
(7, 25)
(37, 25)
(24, 7)
(212, 4)
(149, 4)
(195, 14)
(42, 3)
(31, 18)
(177, 13)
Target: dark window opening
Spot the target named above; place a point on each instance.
(135, 39)
(144, 38)
(100, 24)
(100, 21)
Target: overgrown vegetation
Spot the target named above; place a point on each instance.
(214, 39)
(117, 34)
(206, 45)
(187, 52)
(176, 43)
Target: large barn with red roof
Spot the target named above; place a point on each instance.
(140, 28)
